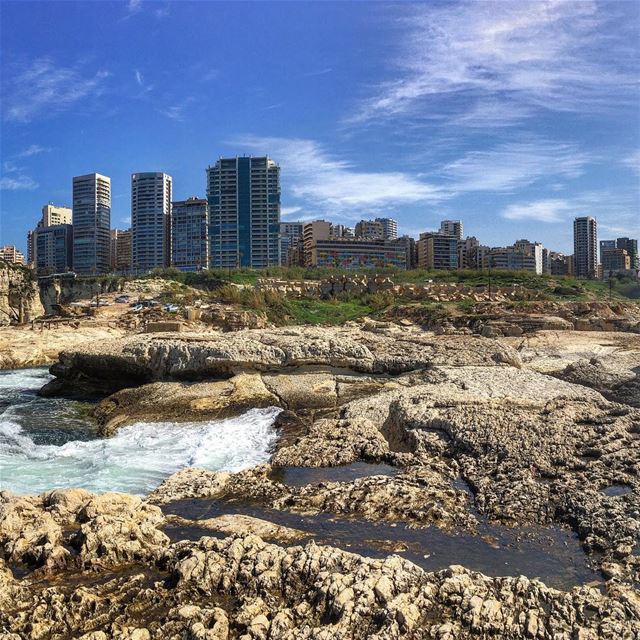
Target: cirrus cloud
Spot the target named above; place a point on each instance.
(43, 87)
(335, 185)
(494, 63)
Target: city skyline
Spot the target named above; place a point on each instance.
(516, 130)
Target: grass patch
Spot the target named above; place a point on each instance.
(554, 287)
(325, 312)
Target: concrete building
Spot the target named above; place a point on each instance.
(30, 248)
(122, 250)
(53, 249)
(389, 228)
(451, 228)
(244, 212)
(190, 234)
(351, 253)
(478, 256)
(585, 247)
(342, 231)
(559, 264)
(290, 237)
(52, 215)
(370, 230)
(12, 254)
(614, 261)
(605, 245)
(436, 251)
(311, 233)
(630, 245)
(533, 249)
(150, 220)
(465, 252)
(91, 224)
(512, 259)
(409, 245)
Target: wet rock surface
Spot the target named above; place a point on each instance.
(418, 496)
(465, 436)
(243, 587)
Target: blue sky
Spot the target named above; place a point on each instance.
(513, 116)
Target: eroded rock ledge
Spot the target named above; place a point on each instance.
(241, 586)
(392, 350)
(534, 449)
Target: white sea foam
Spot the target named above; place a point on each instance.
(23, 379)
(138, 457)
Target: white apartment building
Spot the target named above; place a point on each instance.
(151, 220)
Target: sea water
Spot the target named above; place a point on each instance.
(48, 443)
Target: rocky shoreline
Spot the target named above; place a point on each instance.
(517, 432)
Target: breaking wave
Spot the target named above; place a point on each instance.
(135, 460)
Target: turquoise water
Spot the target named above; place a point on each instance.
(51, 443)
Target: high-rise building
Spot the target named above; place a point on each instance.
(464, 252)
(613, 261)
(53, 249)
(409, 245)
(605, 245)
(559, 264)
(151, 220)
(533, 249)
(342, 231)
(513, 259)
(389, 228)
(290, 237)
(91, 223)
(52, 214)
(370, 229)
(437, 251)
(190, 234)
(30, 248)
(244, 212)
(451, 228)
(585, 247)
(12, 254)
(312, 232)
(121, 250)
(630, 245)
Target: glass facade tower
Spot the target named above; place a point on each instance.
(91, 224)
(244, 212)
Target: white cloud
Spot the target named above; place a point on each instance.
(134, 6)
(633, 161)
(615, 211)
(542, 210)
(33, 150)
(14, 179)
(9, 166)
(42, 88)
(319, 72)
(17, 183)
(162, 12)
(141, 81)
(477, 61)
(174, 112)
(514, 164)
(334, 185)
(289, 211)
